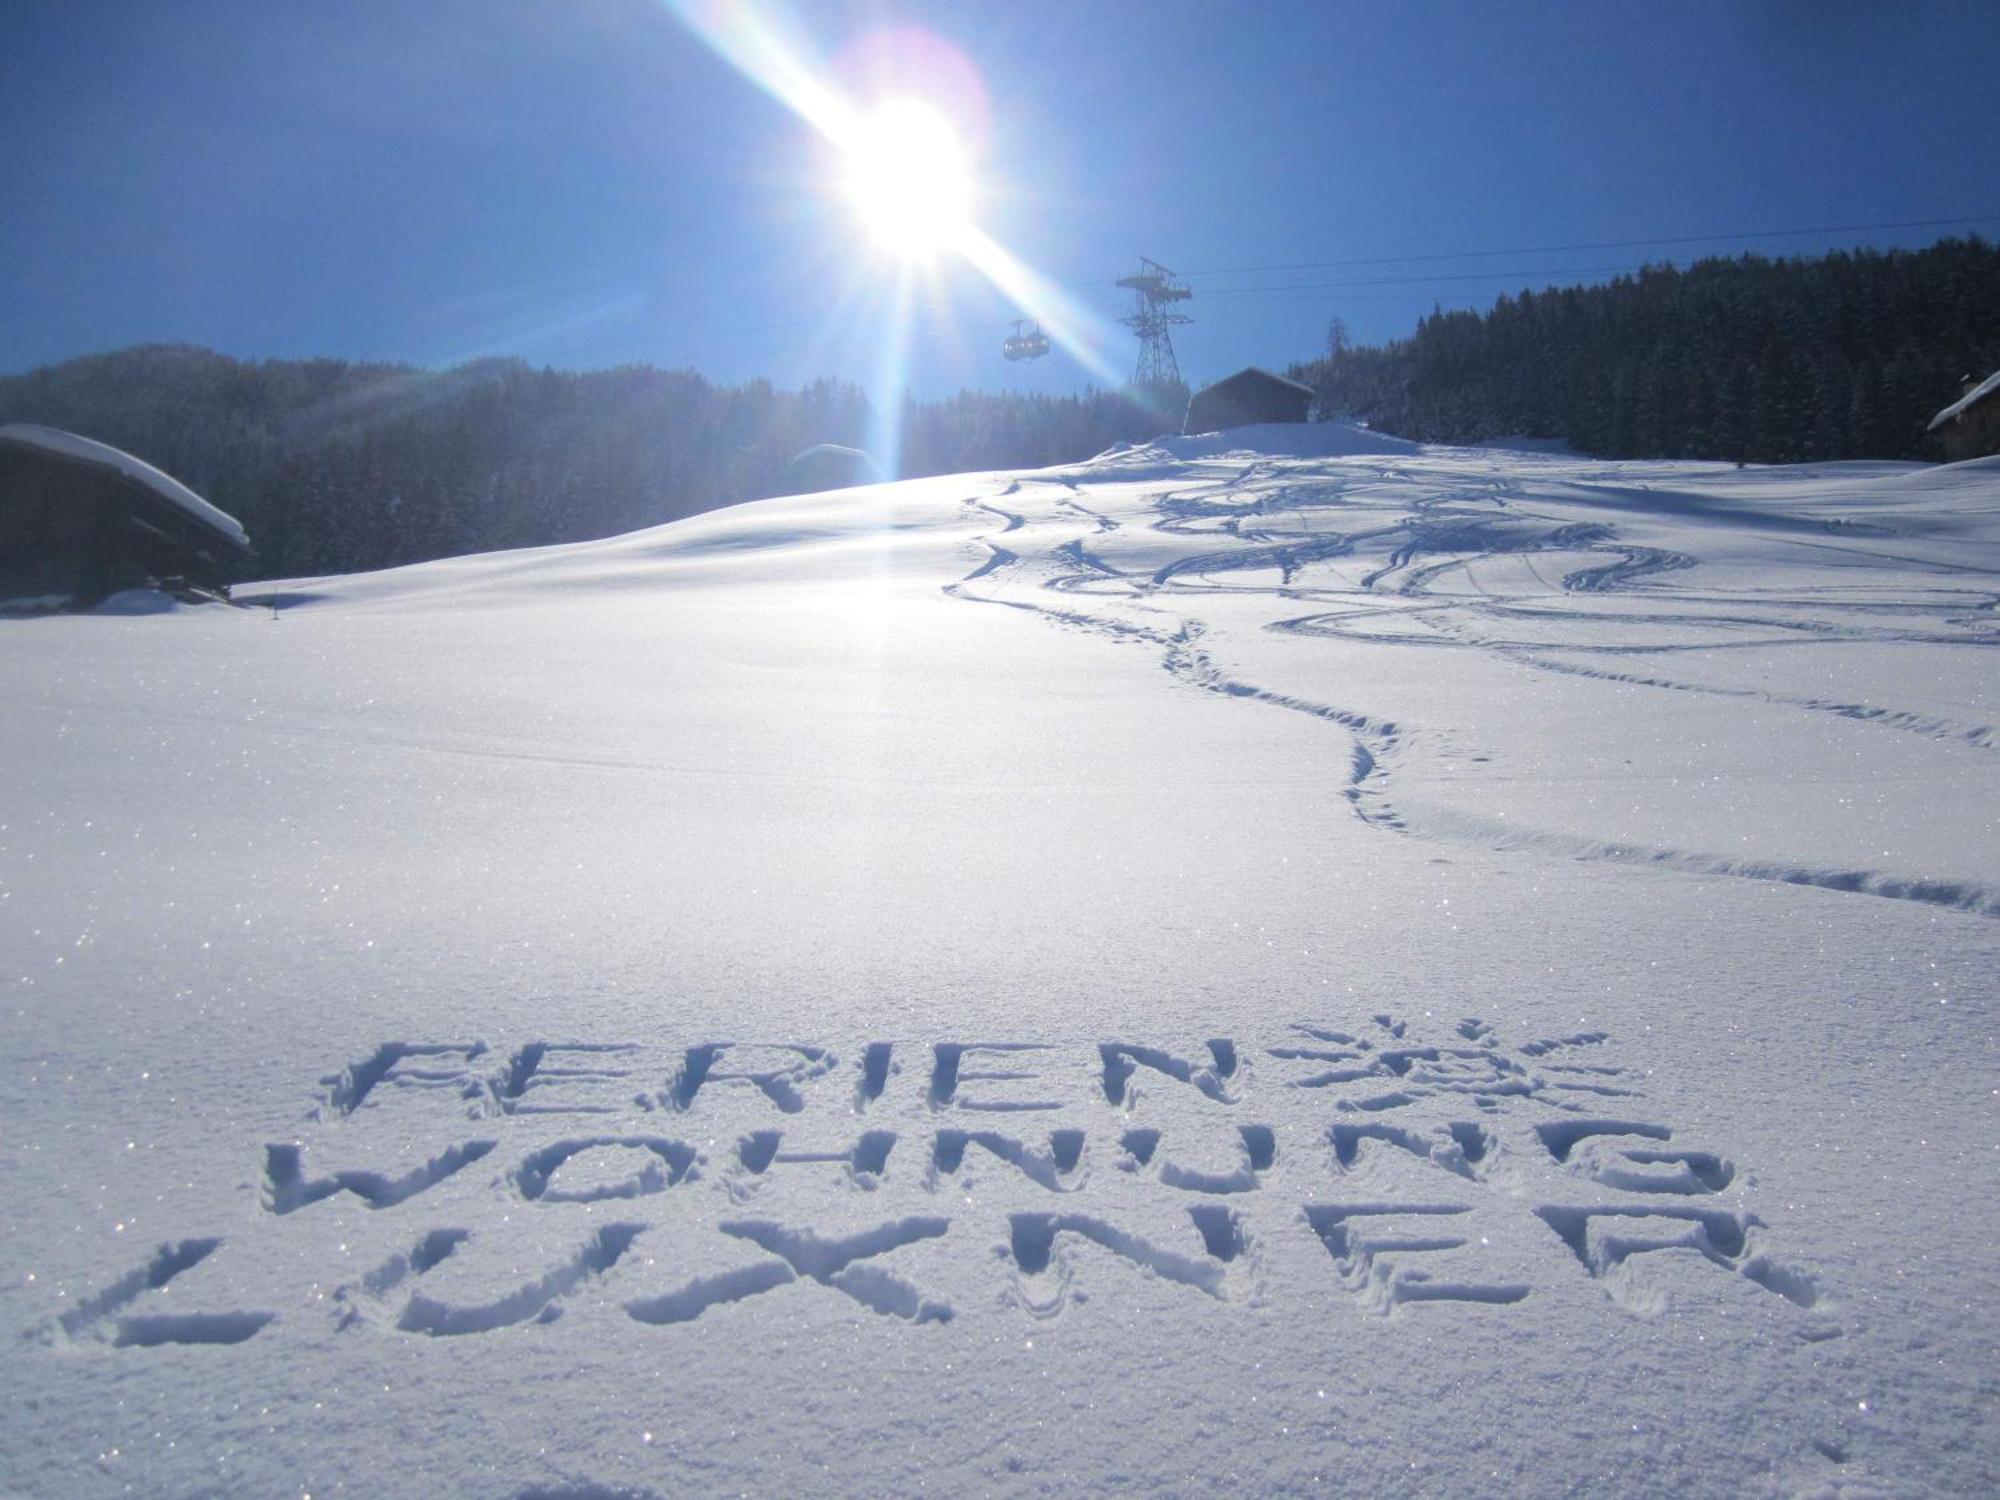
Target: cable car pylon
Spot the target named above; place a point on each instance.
(1155, 290)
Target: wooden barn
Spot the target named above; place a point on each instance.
(1970, 426)
(80, 520)
(1250, 395)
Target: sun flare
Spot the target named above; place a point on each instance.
(907, 177)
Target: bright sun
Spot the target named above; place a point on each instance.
(907, 177)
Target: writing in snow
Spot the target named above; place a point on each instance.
(1413, 1161)
(1213, 1120)
(999, 1077)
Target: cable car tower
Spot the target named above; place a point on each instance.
(1155, 290)
(1028, 342)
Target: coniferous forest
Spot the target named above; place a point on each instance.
(1758, 360)
(338, 467)
(335, 466)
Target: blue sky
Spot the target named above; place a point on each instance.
(587, 184)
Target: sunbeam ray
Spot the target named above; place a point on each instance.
(764, 41)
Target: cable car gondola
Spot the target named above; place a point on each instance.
(1029, 344)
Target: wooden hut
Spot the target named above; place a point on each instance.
(80, 520)
(1970, 426)
(1250, 395)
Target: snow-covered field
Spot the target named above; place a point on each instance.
(1275, 962)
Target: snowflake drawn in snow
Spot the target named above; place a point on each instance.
(1387, 1069)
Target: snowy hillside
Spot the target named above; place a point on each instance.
(1284, 961)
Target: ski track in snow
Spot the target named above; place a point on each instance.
(1277, 517)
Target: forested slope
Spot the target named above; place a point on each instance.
(338, 467)
(335, 466)
(1769, 361)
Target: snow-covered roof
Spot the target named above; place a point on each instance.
(1263, 374)
(1971, 398)
(89, 450)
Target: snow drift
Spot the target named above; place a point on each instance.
(1279, 961)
